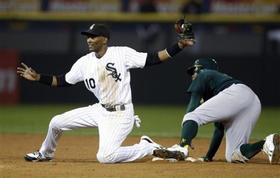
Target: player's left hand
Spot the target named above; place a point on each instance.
(186, 43)
(137, 121)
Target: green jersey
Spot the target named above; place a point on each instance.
(207, 84)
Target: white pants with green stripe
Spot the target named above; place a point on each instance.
(237, 107)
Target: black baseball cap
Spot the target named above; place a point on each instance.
(97, 30)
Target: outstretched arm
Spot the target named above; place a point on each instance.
(163, 55)
(215, 142)
(31, 75)
(174, 49)
(186, 39)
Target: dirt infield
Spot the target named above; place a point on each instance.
(76, 157)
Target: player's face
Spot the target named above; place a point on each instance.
(194, 75)
(96, 43)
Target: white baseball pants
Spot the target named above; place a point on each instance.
(113, 128)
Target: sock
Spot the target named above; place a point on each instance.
(250, 150)
(189, 131)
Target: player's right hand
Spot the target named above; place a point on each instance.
(205, 159)
(28, 73)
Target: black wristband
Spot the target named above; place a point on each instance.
(61, 82)
(173, 50)
(152, 59)
(46, 79)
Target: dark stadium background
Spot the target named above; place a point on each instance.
(45, 34)
(242, 50)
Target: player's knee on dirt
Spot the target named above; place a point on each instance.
(103, 157)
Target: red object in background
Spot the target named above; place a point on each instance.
(9, 83)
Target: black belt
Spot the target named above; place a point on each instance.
(118, 107)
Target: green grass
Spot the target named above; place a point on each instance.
(157, 121)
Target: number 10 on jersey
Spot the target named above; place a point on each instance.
(90, 83)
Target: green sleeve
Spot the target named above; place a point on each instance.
(216, 140)
(194, 102)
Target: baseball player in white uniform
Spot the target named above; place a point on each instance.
(105, 72)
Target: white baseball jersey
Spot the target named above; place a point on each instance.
(108, 77)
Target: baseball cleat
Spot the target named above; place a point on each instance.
(238, 158)
(166, 154)
(176, 151)
(149, 140)
(183, 150)
(272, 147)
(36, 157)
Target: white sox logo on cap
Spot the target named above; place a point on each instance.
(97, 30)
(91, 27)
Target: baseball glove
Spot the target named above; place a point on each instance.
(184, 30)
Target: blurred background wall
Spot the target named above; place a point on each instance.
(242, 35)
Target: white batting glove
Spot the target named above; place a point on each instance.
(137, 121)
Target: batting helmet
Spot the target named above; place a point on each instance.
(203, 63)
